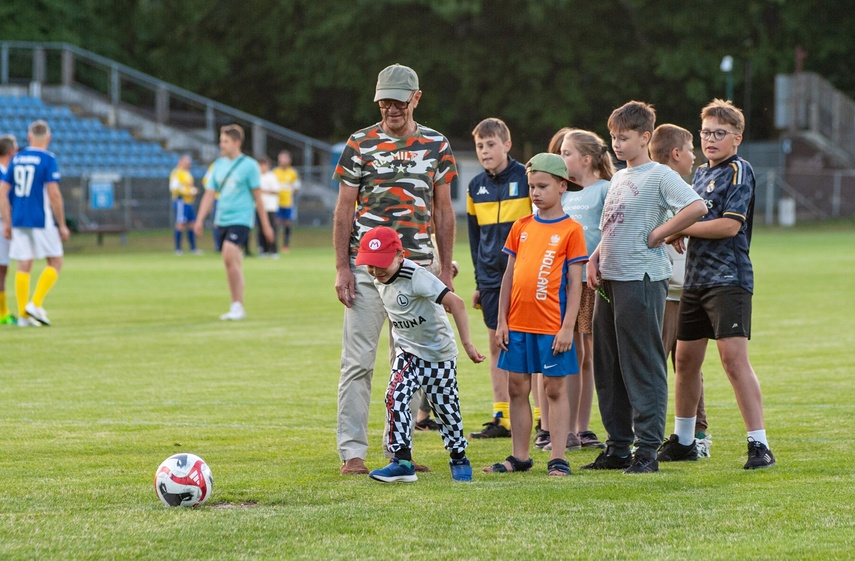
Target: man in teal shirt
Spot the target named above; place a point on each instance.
(237, 179)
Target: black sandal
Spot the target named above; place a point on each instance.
(559, 466)
(516, 465)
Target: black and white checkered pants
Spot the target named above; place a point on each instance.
(439, 381)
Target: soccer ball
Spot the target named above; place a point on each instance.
(183, 480)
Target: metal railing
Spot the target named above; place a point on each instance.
(180, 119)
(806, 102)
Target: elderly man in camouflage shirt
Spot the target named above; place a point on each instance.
(395, 173)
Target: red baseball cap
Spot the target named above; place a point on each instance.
(378, 247)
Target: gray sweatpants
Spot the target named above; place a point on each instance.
(630, 368)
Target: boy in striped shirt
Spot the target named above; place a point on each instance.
(630, 267)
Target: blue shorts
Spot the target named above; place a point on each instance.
(184, 212)
(284, 213)
(530, 353)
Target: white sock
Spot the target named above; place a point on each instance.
(759, 436)
(684, 428)
(236, 306)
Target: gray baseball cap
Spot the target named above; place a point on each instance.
(396, 82)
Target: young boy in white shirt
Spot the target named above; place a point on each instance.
(426, 352)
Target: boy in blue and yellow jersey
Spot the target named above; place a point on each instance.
(716, 300)
(183, 195)
(497, 197)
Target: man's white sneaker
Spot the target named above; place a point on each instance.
(37, 313)
(28, 322)
(235, 313)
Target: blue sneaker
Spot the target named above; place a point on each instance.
(461, 470)
(397, 470)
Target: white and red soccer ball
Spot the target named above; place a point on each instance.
(183, 480)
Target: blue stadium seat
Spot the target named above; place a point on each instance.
(83, 145)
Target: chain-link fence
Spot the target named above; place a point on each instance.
(110, 203)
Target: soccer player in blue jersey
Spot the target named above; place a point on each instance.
(8, 147)
(716, 300)
(34, 219)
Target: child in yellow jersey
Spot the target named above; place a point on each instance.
(289, 184)
(538, 305)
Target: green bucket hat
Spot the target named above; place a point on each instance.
(554, 164)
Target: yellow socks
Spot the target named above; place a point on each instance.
(22, 292)
(4, 310)
(46, 281)
(502, 411)
(536, 414)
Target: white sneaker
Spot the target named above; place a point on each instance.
(37, 313)
(235, 313)
(704, 446)
(28, 322)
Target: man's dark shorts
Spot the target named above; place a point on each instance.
(237, 235)
(714, 313)
(490, 307)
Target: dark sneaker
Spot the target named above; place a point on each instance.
(759, 455)
(461, 470)
(397, 470)
(541, 439)
(643, 464)
(427, 424)
(590, 440)
(493, 429)
(609, 461)
(672, 451)
(573, 443)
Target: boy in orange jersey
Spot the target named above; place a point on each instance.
(538, 304)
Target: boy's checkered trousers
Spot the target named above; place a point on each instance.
(439, 381)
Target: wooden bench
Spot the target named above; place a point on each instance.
(101, 231)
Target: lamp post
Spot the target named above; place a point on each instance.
(727, 68)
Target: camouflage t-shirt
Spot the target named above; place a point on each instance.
(396, 179)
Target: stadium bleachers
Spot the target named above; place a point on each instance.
(83, 146)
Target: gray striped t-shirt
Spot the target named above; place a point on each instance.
(638, 201)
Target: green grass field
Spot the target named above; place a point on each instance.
(137, 367)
